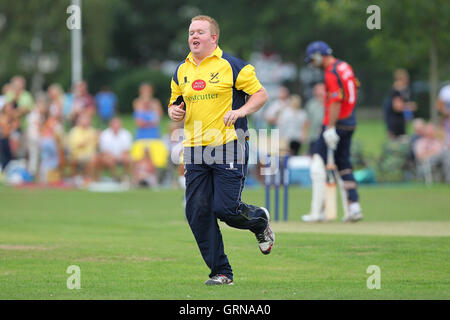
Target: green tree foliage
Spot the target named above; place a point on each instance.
(25, 21)
(414, 34)
(45, 22)
(121, 34)
(146, 30)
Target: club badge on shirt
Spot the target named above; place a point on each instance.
(214, 77)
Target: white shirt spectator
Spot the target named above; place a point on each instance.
(34, 122)
(115, 144)
(444, 108)
(2, 102)
(444, 95)
(291, 123)
(273, 110)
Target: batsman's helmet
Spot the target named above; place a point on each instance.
(317, 47)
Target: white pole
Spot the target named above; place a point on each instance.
(77, 54)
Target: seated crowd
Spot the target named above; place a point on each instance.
(430, 150)
(80, 138)
(54, 133)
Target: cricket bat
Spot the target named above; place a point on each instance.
(331, 188)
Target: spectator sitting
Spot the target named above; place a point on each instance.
(82, 143)
(175, 170)
(6, 87)
(428, 145)
(315, 109)
(273, 110)
(58, 133)
(106, 104)
(144, 171)
(430, 153)
(23, 102)
(50, 153)
(147, 113)
(19, 96)
(443, 106)
(35, 120)
(418, 125)
(57, 101)
(115, 144)
(9, 122)
(291, 123)
(82, 102)
(11, 131)
(67, 107)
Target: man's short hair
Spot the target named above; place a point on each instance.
(213, 25)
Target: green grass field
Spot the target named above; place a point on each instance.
(137, 245)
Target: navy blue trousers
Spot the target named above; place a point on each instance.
(213, 191)
(342, 160)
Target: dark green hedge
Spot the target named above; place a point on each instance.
(126, 85)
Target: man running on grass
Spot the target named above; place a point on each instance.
(214, 92)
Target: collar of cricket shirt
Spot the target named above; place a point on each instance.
(217, 52)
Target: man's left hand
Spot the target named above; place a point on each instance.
(231, 117)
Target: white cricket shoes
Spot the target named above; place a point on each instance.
(314, 217)
(354, 212)
(266, 239)
(219, 279)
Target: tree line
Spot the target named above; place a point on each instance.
(123, 35)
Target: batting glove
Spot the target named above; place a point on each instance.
(331, 138)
